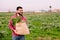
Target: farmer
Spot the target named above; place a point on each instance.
(19, 12)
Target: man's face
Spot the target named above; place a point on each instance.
(20, 11)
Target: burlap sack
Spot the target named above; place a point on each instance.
(22, 28)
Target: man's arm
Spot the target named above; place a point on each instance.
(11, 26)
(25, 20)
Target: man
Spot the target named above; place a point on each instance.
(19, 12)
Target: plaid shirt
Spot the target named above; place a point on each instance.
(13, 27)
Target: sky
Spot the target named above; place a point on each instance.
(29, 5)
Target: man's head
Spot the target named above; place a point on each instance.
(19, 9)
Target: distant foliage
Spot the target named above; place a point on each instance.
(42, 26)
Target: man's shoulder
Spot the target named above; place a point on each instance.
(13, 16)
(24, 17)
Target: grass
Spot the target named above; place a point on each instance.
(43, 26)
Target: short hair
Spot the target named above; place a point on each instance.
(19, 7)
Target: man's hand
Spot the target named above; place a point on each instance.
(15, 31)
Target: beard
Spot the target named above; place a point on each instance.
(20, 14)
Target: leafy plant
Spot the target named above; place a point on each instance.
(16, 20)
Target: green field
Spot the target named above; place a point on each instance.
(43, 26)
